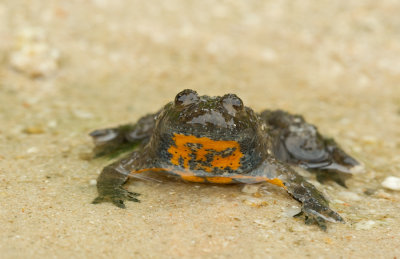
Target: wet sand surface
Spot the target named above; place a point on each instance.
(69, 68)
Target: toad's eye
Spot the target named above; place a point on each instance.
(186, 97)
(232, 103)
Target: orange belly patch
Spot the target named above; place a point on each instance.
(222, 153)
(221, 180)
(191, 177)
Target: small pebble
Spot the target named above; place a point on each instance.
(32, 150)
(365, 225)
(392, 183)
(92, 182)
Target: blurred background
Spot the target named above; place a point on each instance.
(306, 56)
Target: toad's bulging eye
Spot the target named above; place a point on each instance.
(186, 97)
(232, 103)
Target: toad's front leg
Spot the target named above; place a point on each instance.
(315, 207)
(111, 179)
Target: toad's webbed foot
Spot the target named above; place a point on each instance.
(315, 212)
(115, 195)
(315, 207)
(111, 180)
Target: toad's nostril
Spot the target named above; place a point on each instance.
(186, 97)
(232, 103)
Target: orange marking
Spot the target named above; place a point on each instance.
(148, 170)
(277, 182)
(222, 180)
(192, 178)
(191, 147)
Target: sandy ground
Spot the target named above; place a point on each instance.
(73, 66)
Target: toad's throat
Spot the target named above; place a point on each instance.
(203, 153)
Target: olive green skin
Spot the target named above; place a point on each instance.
(269, 143)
